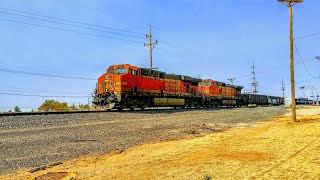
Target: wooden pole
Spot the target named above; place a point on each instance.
(293, 95)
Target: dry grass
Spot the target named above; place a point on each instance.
(277, 149)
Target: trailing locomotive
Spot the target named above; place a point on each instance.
(126, 86)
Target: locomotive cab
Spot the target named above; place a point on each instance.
(210, 88)
(114, 82)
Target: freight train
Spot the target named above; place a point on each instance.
(125, 86)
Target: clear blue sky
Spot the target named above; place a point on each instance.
(210, 39)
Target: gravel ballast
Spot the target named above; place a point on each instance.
(33, 141)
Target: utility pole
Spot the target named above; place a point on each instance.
(151, 45)
(254, 84)
(282, 88)
(312, 97)
(231, 80)
(290, 3)
(89, 102)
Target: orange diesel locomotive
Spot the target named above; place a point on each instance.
(219, 93)
(126, 86)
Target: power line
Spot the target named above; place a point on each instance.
(73, 25)
(166, 42)
(12, 65)
(67, 30)
(77, 32)
(308, 80)
(47, 96)
(306, 36)
(19, 90)
(176, 46)
(168, 53)
(303, 62)
(46, 75)
(73, 21)
(46, 18)
(86, 26)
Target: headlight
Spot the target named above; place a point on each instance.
(108, 77)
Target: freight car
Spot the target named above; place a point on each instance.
(304, 101)
(126, 86)
(262, 100)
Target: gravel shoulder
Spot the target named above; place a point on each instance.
(32, 141)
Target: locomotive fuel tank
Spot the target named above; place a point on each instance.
(168, 102)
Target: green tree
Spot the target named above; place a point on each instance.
(84, 107)
(73, 107)
(17, 109)
(52, 105)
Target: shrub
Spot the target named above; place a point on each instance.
(17, 109)
(52, 105)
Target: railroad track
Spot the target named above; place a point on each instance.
(109, 111)
(97, 111)
(46, 113)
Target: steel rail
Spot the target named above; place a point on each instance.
(114, 111)
(99, 111)
(47, 113)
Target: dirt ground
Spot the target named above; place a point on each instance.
(278, 149)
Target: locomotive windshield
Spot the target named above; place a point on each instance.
(207, 83)
(122, 71)
(118, 71)
(110, 71)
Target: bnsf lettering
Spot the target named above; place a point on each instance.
(110, 83)
(171, 87)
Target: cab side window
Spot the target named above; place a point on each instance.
(134, 72)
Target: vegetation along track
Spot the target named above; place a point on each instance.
(33, 141)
